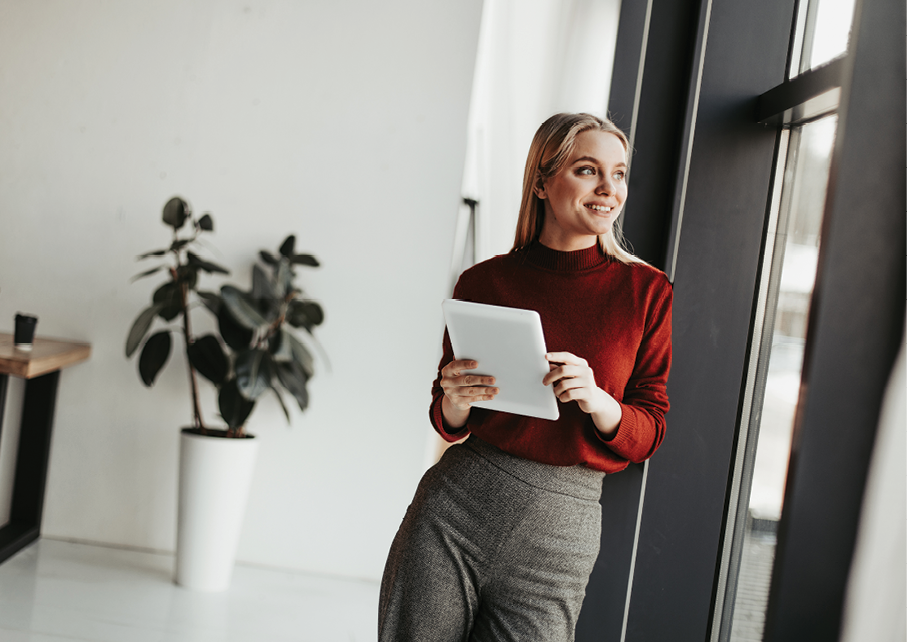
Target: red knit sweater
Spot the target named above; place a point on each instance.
(615, 316)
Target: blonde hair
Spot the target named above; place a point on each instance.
(551, 146)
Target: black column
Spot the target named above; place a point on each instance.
(721, 240)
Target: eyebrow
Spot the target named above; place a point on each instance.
(595, 160)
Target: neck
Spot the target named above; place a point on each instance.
(566, 244)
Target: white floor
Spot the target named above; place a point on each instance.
(57, 591)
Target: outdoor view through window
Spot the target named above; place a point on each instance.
(773, 387)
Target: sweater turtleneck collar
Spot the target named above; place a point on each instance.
(545, 257)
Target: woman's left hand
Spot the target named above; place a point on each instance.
(573, 380)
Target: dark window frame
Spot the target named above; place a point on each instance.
(730, 63)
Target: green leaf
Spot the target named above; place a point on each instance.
(283, 406)
(279, 346)
(187, 274)
(140, 328)
(234, 408)
(266, 300)
(262, 288)
(206, 223)
(235, 335)
(267, 257)
(171, 300)
(242, 310)
(206, 356)
(288, 245)
(179, 244)
(304, 314)
(253, 373)
(207, 266)
(176, 211)
(284, 279)
(154, 356)
(301, 355)
(150, 254)
(147, 273)
(211, 300)
(294, 380)
(304, 259)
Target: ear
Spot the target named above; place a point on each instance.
(539, 187)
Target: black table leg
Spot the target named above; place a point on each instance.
(4, 381)
(32, 459)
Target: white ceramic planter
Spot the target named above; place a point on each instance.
(215, 476)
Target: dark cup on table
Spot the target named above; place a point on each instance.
(25, 331)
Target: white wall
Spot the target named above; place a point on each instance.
(343, 122)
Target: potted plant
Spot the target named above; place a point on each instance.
(253, 351)
(173, 299)
(259, 327)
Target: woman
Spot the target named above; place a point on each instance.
(502, 534)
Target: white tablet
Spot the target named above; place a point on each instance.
(509, 345)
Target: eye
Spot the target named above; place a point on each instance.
(586, 170)
(618, 176)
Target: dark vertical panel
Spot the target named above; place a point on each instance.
(627, 53)
(856, 321)
(601, 618)
(715, 282)
(660, 121)
(659, 127)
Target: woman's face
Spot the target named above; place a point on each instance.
(584, 198)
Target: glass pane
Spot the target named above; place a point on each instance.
(823, 33)
(832, 32)
(775, 384)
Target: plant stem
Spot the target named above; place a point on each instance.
(187, 334)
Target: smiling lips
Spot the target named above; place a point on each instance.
(599, 208)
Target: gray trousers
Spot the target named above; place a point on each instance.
(492, 548)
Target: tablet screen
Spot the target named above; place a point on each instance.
(508, 344)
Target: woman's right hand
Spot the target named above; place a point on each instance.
(462, 390)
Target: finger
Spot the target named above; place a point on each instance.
(566, 358)
(563, 372)
(468, 391)
(475, 391)
(455, 368)
(467, 396)
(581, 395)
(466, 381)
(570, 385)
(563, 395)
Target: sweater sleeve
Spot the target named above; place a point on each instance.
(645, 400)
(437, 395)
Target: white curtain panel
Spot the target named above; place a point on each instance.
(877, 589)
(535, 58)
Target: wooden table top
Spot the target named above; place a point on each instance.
(45, 356)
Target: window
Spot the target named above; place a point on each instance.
(788, 276)
(822, 33)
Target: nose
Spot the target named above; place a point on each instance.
(605, 185)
